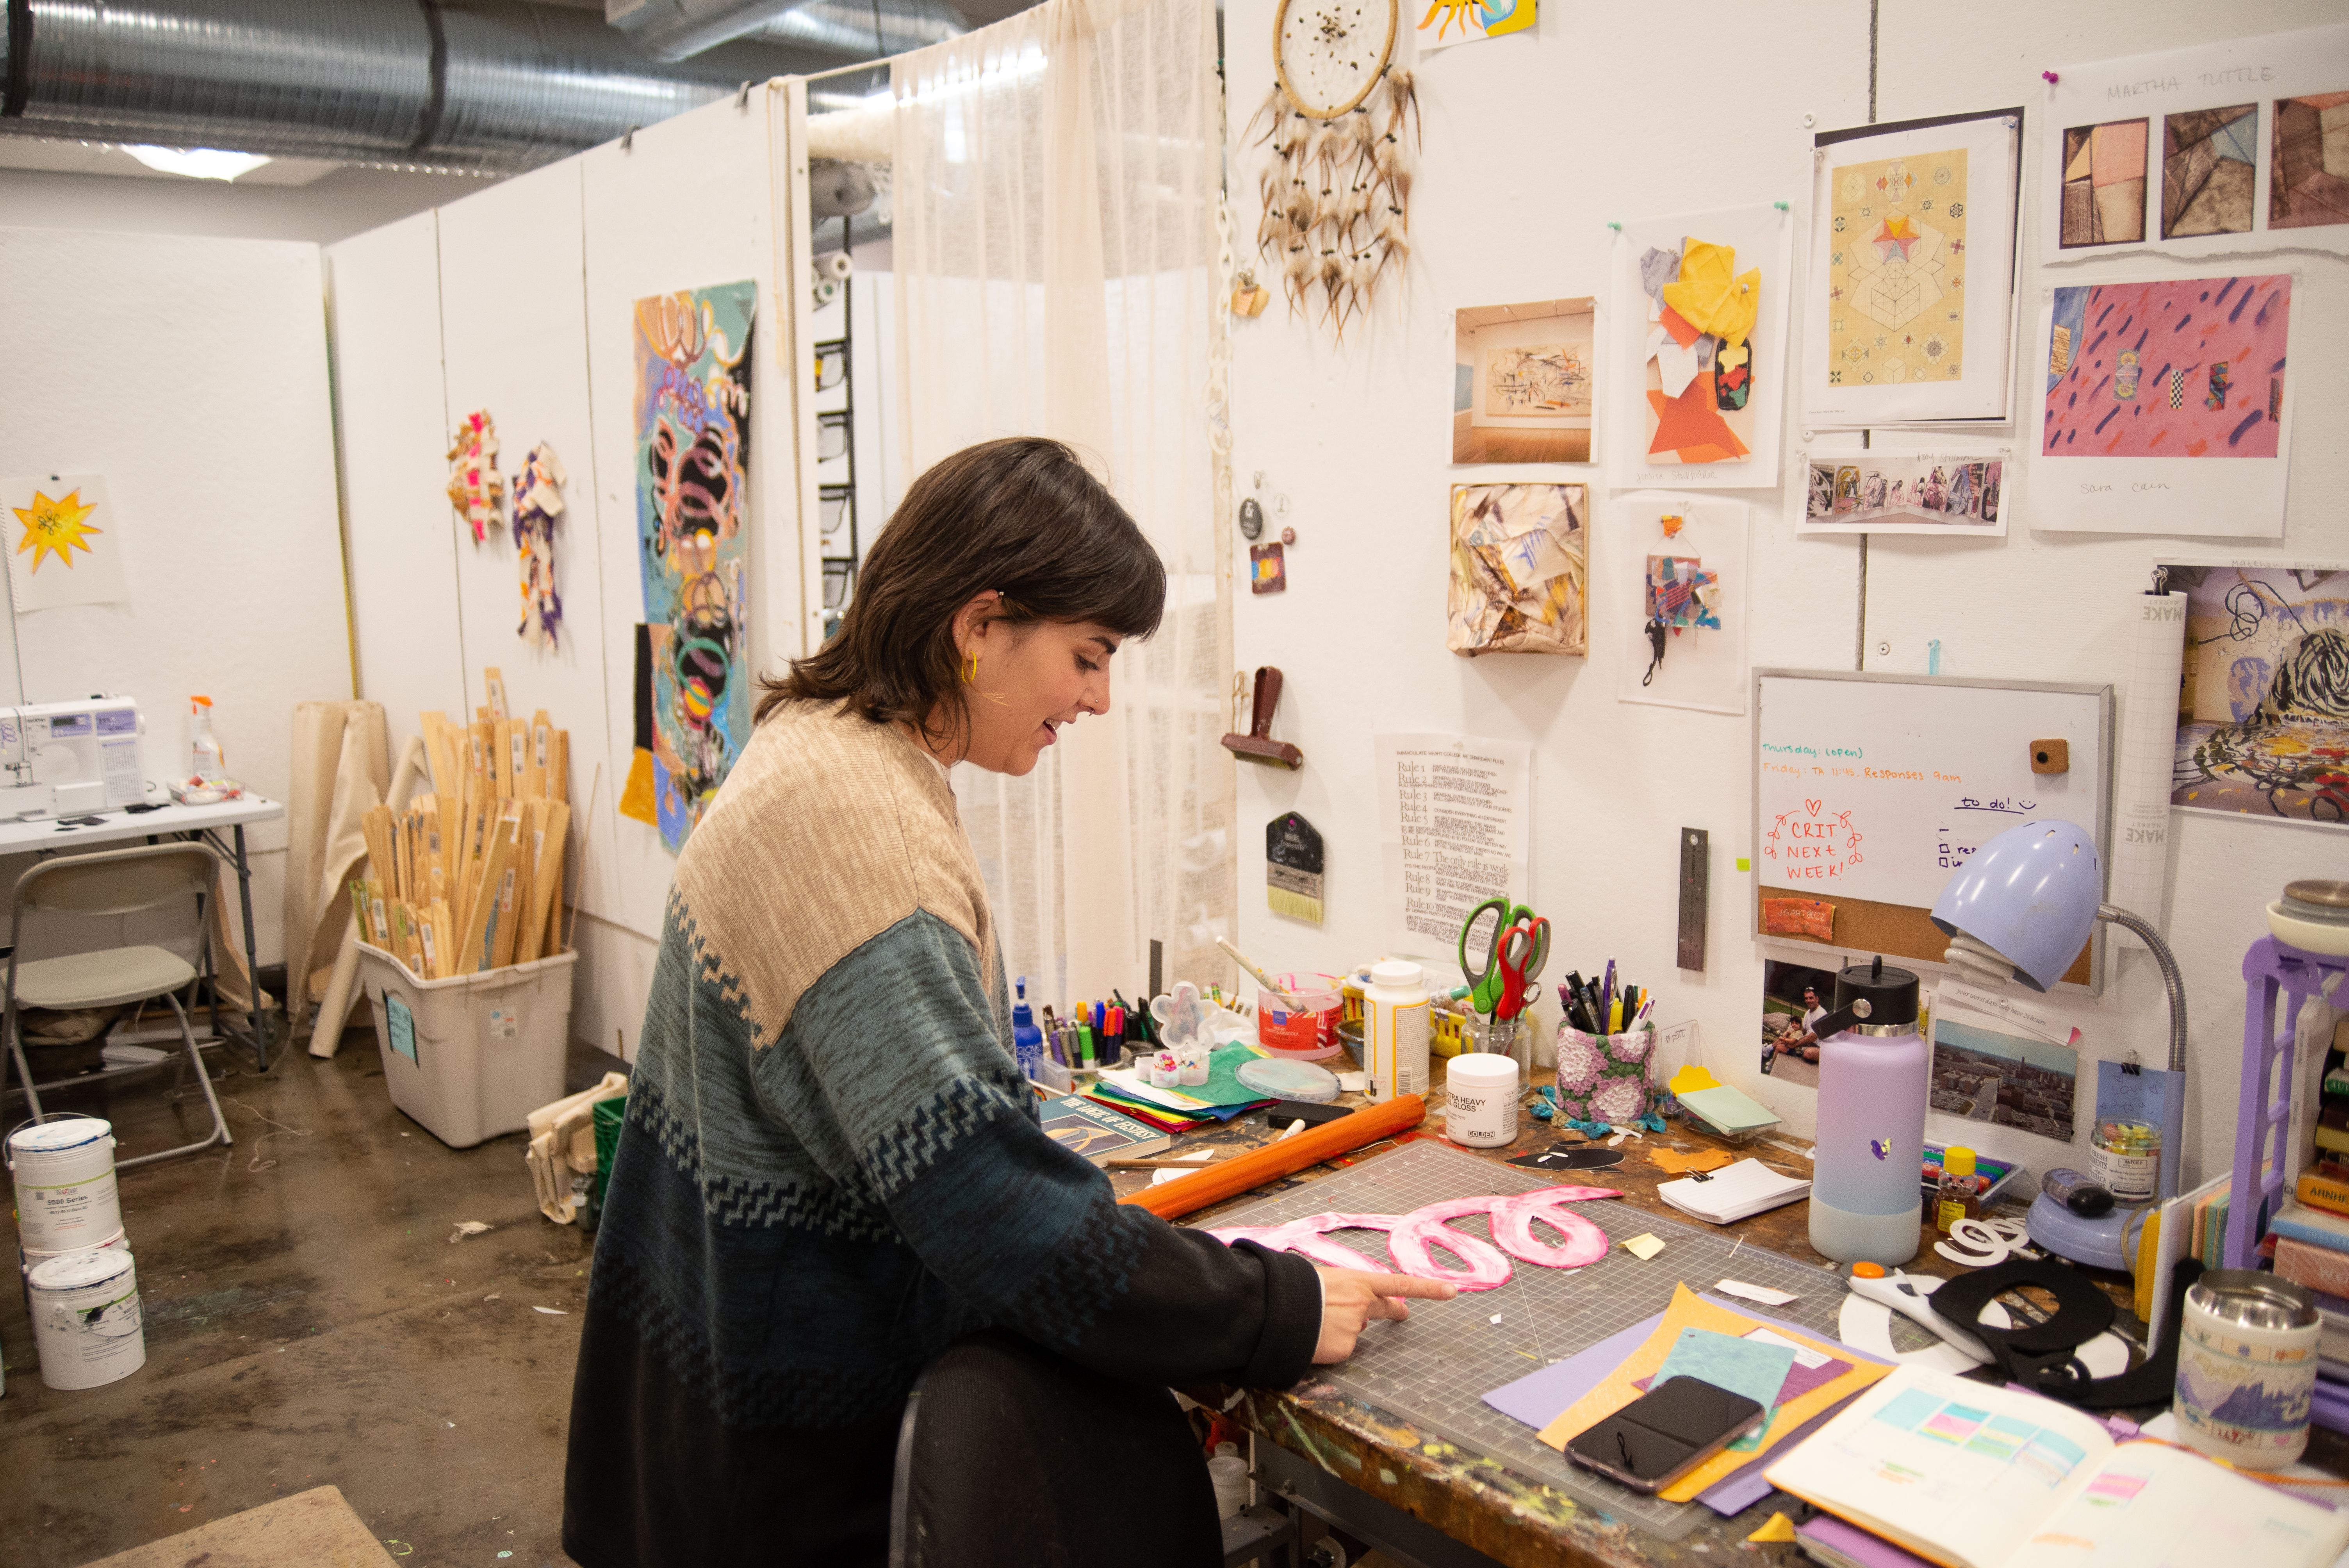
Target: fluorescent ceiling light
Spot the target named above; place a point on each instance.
(197, 163)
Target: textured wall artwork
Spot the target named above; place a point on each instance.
(2308, 177)
(537, 502)
(2263, 724)
(1520, 557)
(2208, 159)
(2103, 183)
(692, 479)
(476, 489)
(1897, 273)
(2185, 368)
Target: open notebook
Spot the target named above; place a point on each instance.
(1970, 1476)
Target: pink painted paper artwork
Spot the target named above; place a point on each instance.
(2185, 368)
(1414, 1239)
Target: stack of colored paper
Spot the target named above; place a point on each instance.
(1221, 1099)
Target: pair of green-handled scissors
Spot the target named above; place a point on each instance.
(1484, 983)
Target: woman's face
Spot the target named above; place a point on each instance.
(1030, 681)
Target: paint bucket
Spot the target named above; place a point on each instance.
(66, 1198)
(86, 1318)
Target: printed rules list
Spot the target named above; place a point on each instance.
(1455, 815)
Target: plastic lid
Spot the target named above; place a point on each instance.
(1958, 1161)
(77, 1271)
(1398, 973)
(1867, 1271)
(1484, 1069)
(1286, 1079)
(201, 701)
(55, 1137)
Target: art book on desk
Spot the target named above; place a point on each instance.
(1098, 1132)
(1970, 1476)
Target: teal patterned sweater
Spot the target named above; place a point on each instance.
(831, 1169)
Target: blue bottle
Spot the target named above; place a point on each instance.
(1027, 1040)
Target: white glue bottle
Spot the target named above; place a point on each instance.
(1395, 1023)
(204, 752)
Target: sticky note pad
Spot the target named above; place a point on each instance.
(1747, 1367)
(1643, 1247)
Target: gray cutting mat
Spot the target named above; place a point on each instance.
(1435, 1368)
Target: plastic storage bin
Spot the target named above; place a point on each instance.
(472, 1055)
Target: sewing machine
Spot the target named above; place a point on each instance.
(68, 758)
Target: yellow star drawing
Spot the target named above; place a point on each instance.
(55, 526)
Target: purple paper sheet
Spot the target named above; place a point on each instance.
(1537, 1397)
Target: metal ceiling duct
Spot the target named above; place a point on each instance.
(477, 85)
(677, 29)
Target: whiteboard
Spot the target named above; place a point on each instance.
(1871, 790)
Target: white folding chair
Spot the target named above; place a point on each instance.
(113, 882)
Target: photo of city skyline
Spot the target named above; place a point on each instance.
(1984, 1074)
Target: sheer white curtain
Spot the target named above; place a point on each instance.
(1057, 180)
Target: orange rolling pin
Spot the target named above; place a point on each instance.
(1282, 1157)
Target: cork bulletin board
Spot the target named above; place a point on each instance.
(1870, 791)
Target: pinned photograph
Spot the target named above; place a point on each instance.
(2264, 715)
(1793, 998)
(2002, 1068)
(1908, 492)
(1522, 381)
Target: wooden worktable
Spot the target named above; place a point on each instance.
(1475, 1501)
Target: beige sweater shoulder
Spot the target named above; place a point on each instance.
(829, 830)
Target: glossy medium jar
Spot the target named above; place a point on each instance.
(1481, 1105)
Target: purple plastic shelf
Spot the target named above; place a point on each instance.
(2272, 968)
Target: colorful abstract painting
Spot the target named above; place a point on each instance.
(1524, 383)
(2263, 718)
(64, 541)
(2308, 177)
(1896, 270)
(692, 478)
(2185, 368)
(2103, 183)
(1701, 347)
(1450, 22)
(2207, 166)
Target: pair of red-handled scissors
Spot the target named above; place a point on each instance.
(1524, 948)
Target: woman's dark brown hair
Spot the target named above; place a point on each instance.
(1022, 516)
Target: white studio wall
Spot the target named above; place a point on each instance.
(1353, 436)
(519, 300)
(191, 373)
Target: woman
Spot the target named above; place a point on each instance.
(831, 1167)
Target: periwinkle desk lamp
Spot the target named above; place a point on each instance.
(2020, 909)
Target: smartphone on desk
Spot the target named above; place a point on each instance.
(1666, 1432)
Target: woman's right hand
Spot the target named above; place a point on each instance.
(1351, 1298)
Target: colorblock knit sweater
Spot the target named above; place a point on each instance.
(832, 1168)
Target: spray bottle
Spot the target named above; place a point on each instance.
(204, 751)
(1027, 1040)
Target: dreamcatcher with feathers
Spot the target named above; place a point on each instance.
(1341, 121)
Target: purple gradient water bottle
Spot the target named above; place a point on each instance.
(1875, 1074)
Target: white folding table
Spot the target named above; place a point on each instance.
(155, 820)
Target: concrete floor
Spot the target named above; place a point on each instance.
(308, 1321)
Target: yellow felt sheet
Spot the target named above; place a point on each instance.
(1687, 1311)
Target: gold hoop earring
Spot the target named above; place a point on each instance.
(970, 667)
